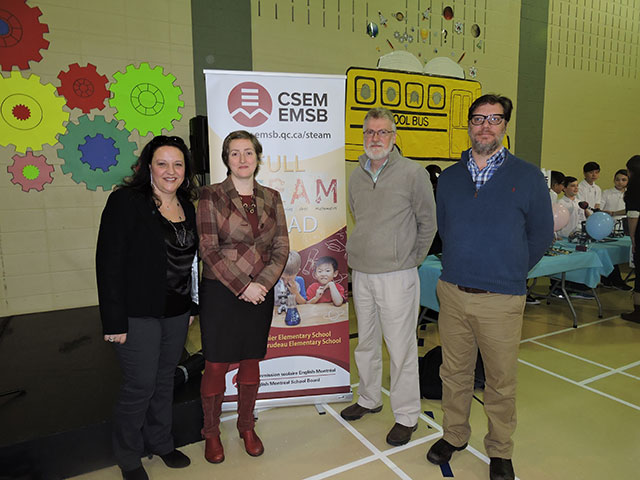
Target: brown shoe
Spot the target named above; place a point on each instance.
(252, 443)
(400, 435)
(501, 469)
(355, 412)
(213, 450)
(441, 451)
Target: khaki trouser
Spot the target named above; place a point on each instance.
(491, 322)
(387, 306)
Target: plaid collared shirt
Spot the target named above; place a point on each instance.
(480, 177)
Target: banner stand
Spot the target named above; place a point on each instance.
(299, 120)
(316, 400)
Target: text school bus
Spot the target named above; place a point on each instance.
(430, 111)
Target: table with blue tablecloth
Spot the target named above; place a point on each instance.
(580, 267)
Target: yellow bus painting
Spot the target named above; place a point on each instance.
(430, 111)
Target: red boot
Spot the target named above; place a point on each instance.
(246, 402)
(632, 316)
(212, 408)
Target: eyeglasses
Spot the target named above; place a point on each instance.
(494, 119)
(381, 133)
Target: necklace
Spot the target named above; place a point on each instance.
(168, 206)
(249, 207)
(181, 235)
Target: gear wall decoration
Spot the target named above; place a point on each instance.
(86, 170)
(31, 114)
(146, 99)
(99, 152)
(30, 172)
(21, 35)
(83, 87)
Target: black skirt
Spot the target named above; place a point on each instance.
(232, 329)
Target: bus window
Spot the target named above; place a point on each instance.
(390, 90)
(365, 90)
(437, 96)
(414, 95)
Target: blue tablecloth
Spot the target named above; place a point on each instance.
(618, 251)
(580, 267)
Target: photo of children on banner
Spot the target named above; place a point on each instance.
(324, 301)
(290, 283)
(325, 289)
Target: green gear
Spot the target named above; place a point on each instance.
(31, 172)
(31, 115)
(72, 155)
(146, 99)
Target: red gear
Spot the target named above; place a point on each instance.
(21, 112)
(83, 87)
(25, 38)
(30, 171)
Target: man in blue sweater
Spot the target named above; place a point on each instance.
(495, 221)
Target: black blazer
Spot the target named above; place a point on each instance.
(131, 259)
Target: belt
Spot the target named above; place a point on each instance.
(471, 289)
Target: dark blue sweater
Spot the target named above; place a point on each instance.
(492, 237)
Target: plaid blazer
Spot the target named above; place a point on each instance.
(228, 248)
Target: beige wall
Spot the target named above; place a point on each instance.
(592, 87)
(331, 36)
(47, 238)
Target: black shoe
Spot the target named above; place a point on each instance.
(400, 435)
(632, 316)
(136, 474)
(355, 411)
(441, 451)
(175, 459)
(501, 469)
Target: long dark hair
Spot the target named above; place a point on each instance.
(141, 178)
(632, 195)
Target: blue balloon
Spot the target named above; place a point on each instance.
(599, 225)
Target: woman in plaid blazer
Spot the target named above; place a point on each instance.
(244, 246)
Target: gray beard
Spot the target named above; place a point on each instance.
(380, 156)
(487, 148)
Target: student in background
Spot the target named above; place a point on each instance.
(613, 198)
(556, 181)
(632, 202)
(570, 201)
(588, 190)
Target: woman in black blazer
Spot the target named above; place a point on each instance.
(146, 266)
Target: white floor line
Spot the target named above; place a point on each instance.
(586, 387)
(377, 454)
(613, 371)
(572, 355)
(570, 329)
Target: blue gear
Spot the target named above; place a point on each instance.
(81, 171)
(99, 152)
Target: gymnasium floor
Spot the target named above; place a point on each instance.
(578, 415)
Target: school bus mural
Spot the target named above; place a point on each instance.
(430, 111)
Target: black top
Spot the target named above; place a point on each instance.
(180, 240)
(132, 261)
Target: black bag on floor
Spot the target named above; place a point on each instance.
(430, 383)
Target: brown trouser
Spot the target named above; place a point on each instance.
(491, 322)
